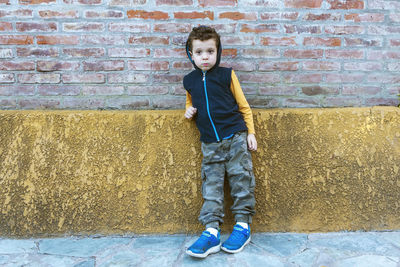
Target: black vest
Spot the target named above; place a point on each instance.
(218, 115)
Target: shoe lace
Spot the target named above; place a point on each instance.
(236, 236)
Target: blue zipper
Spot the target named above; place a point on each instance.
(208, 107)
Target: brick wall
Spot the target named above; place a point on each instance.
(129, 54)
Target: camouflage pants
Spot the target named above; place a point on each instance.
(232, 159)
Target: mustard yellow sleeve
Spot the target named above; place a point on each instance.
(244, 106)
(188, 100)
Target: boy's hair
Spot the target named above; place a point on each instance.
(202, 33)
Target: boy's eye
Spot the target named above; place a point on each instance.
(211, 51)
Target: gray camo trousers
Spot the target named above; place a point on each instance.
(229, 158)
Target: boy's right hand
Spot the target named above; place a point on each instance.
(190, 112)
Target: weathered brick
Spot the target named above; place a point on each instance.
(128, 52)
(6, 53)
(263, 102)
(4, 2)
(348, 54)
(303, 78)
(303, 3)
(7, 78)
(148, 65)
(175, 3)
(320, 90)
(363, 42)
(238, 16)
(317, 53)
(83, 78)
(299, 102)
(142, 14)
(178, 90)
(240, 65)
(322, 17)
(194, 15)
(393, 66)
(50, 14)
(149, 40)
(109, 14)
(389, 78)
(278, 66)
(321, 65)
(59, 90)
(346, 4)
(230, 53)
(382, 101)
(35, 2)
(83, 2)
(39, 103)
(221, 3)
(129, 27)
(168, 103)
(345, 78)
(20, 13)
(168, 78)
(36, 26)
(367, 17)
(342, 102)
(259, 78)
(395, 17)
(127, 2)
(238, 40)
(314, 29)
(17, 90)
(37, 52)
(17, 65)
(383, 30)
(317, 41)
(278, 90)
(5, 26)
(57, 39)
(262, 3)
(132, 102)
(168, 52)
(394, 42)
(103, 65)
(16, 40)
(360, 90)
(225, 28)
(83, 27)
(84, 52)
(147, 90)
(172, 27)
(278, 41)
(378, 55)
(83, 103)
(394, 90)
(182, 65)
(340, 30)
(279, 15)
(260, 53)
(128, 78)
(102, 90)
(384, 4)
(363, 66)
(103, 39)
(260, 28)
(39, 78)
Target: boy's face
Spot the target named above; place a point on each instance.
(204, 53)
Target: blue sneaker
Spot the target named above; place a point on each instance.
(205, 245)
(239, 238)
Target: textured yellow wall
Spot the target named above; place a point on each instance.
(114, 172)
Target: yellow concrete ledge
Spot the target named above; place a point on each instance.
(115, 172)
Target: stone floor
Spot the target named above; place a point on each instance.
(369, 249)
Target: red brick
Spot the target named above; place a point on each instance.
(238, 16)
(20, 13)
(321, 65)
(263, 102)
(102, 90)
(278, 90)
(394, 42)
(302, 29)
(278, 41)
(37, 52)
(168, 78)
(259, 78)
(141, 14)
(260, 28)
(360, 90)
(349, 54)
(172, 27)
(320, 90)
(128, 78)
(103, 65)
(57, 65)
(174, 3)
(346, 4)
(36, 27)
(382, 101)
(129, 103)
(50, 14)
(221, 3)
(279, 15)
(362, 42)
(57, 39)
(317, 53)
(168, 52)
(303, 3)
(39, 78)
(322, 17)
(302, 78)
(261, 53)
(15, 65)
(37, 103)
(128, 52)
(103, 39)
(17, 90)
(345, 78)
(238, 40)
(367, 17)
(194, 15)
(182, 65)
(149, 40)
(339, 30)
(59, 89)
(7, 78)
(315, 41)
(83, 78)
(129, 27)
(301, 103)
(5, 26)
(16, 40)
(83, 27)
(148, 65)
(6, 2)
(104, 14)
(230, 53)
(84, 52)
(35, 2)
(178, 90)
(83, 103)
(147, 90)
(278, 66)
(363, 66)
(240, 65)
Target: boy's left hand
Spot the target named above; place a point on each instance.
(251, 142)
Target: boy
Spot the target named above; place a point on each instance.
(216, 101)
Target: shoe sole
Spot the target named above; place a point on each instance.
(205, 254)
(236, 250)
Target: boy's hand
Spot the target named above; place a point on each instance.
(190, 112)
(251, 142)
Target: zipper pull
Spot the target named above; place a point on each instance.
(204, 76)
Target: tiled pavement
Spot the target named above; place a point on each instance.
(369, 249)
